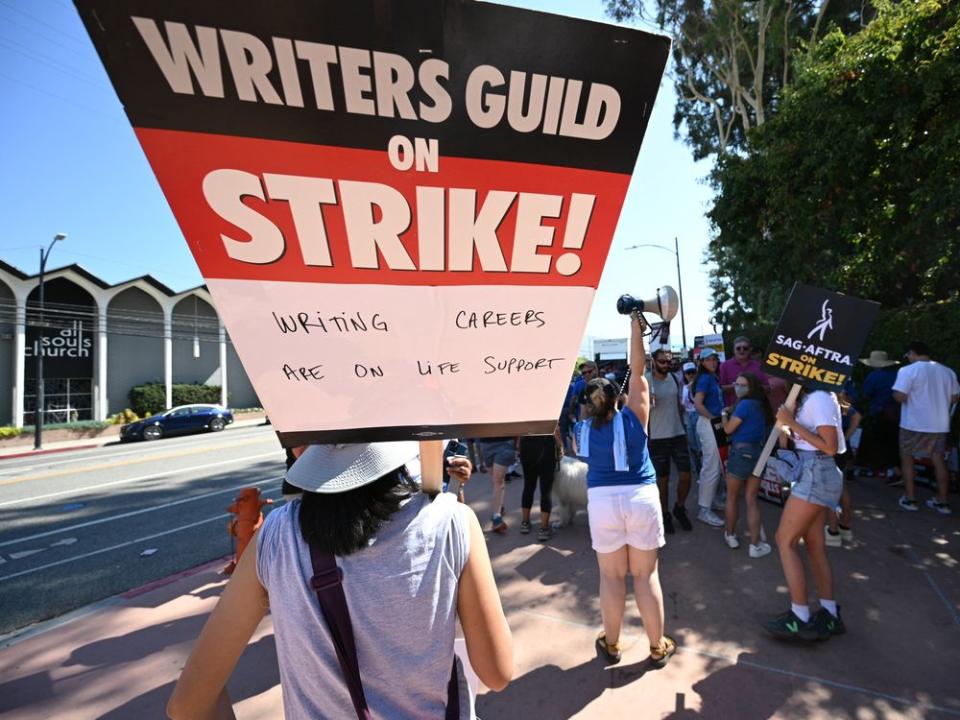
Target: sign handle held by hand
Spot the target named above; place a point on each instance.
(431, 466)
(791, 401)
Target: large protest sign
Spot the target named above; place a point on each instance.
(401, 209)
(819, 337)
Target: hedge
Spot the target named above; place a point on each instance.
(75, 425)
(151, 398)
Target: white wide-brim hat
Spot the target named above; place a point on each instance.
(339, 468)
(878, 359)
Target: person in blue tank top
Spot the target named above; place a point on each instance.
(626, 524)
(747, 426)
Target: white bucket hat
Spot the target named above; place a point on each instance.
(878, 359)
(339, 468)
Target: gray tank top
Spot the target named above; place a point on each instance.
(402, 595)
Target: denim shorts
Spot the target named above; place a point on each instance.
(819, 480)
(498, 452)
(742, 459)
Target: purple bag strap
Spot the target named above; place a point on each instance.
(327, 582)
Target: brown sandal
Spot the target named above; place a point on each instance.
(610, 653)
(661, 654)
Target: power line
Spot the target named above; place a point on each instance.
(36, 57)
(40, 33)
(25, 48)
(136, 266)
(125, 264)
(56, 96)
(57, 30)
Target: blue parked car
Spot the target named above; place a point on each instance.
(178, 421)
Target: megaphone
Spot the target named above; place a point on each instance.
(665, 303)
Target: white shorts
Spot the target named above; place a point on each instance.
(625, 515)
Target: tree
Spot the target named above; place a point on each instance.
(854, 183)
(732, 58)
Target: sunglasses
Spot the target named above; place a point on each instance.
(742, 347)
(663, 362)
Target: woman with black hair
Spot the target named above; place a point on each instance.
(626, 522)
(408, 565)
(748, 427)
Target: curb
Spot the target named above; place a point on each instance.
(161, 582)
(111, 440)
(34, 453)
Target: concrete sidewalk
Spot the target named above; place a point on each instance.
(898, 583)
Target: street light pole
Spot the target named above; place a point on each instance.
(38, 413)
(683, 322)
(676, 252)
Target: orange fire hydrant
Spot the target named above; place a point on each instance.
(247, 518)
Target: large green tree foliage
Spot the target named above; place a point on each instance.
(854, 183)
(732, 58)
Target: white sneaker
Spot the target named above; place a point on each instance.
(760, 549)
(731, 540)
(907, 504)
(831, 539)
(846, 534)
(940, 507)
(709, 518)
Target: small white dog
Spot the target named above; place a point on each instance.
(570, 489)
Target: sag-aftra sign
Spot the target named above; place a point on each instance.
(818, 338)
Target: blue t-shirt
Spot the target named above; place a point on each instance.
(601, 470)
(878, 388)
(752, 427)
(573, 391)
(847, 416)
(712, 396)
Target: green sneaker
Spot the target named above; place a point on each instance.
(824, 624)
(787, 626)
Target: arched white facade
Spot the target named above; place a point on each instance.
(21, 285)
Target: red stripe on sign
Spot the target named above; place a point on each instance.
(258, 209)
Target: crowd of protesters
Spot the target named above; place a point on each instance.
(694, 419)
(708, 420)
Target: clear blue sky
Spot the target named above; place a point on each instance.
(71, 164)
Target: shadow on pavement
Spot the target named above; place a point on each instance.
(259, 655)
(552, 692)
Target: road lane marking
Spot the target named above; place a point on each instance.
(132, 513)
(6, 471)
(25, 553)
(80, 491)
(92, 553)
(134, 461)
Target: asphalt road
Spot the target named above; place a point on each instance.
(82, 526)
